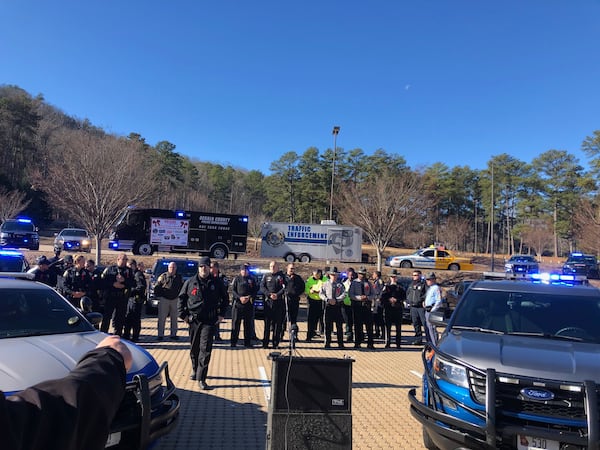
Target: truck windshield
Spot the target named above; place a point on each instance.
(544, 314)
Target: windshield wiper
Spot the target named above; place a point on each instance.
(546, 335)
(478, 329)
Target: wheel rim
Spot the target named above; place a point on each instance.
(219, 253)
(145, 250)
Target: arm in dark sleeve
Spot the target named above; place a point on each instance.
(140, 284)
(182, 306)
(234, 287)
(263, 285)
(224, 301)
(74, 412)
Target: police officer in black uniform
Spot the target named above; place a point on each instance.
(203, 301)
(243, 291)
(415, 297)
(273, 286)
(362, 296)
(137, 297)
(117, 281)
(392, 298)
(96, 287)
(77, 282)
(44, 273)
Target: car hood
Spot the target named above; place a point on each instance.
(525, 356)
(29, 360)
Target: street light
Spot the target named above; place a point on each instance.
(335, 132)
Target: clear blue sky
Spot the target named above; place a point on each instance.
(242, 82)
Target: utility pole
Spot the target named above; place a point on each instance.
(335, 132)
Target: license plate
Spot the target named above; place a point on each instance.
(113, 439)
(536, 443)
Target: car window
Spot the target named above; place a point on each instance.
(35, 312)
(443, 254)
(80, 233)
(18, 226)
(515, 312)
(12, 264)
(428, 253)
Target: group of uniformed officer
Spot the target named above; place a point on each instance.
(118, 292)
(370, 309)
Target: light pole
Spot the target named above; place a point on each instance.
(335, 132)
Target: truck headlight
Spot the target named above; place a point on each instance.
(450, 372)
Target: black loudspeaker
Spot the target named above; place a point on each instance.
(311, 403)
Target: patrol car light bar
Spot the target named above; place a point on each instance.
(557, 278)
(10, 253)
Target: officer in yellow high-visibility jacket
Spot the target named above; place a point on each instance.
(315, 304)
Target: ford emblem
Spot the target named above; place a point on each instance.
(537, 394)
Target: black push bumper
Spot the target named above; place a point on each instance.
(149, 415)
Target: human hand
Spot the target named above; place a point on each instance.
(117, 344)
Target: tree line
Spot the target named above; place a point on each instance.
(54, 167)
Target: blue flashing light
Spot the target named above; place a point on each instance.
(577, 254)
(244, 219)
(114, 245)
(556, 278)
(22, 220)
(179, 214)
(10, 253)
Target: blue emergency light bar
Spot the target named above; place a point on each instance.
(10, 253)
(550, 278)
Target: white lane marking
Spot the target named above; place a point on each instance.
(416, 374)
(262, 373)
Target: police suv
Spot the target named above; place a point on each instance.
(517, 367)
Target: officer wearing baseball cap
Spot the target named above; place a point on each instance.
(203, 301)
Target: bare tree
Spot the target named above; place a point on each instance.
(93, 178)
(255, 227)
(587, 222)
(456, 231)
(11, 203)
(538, 235)
(382, 207)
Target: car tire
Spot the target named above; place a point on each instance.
(405, 265)
(304, 258)
(454, 267)
(143, 249)
(219, 252)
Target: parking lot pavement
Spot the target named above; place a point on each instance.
(234, 414)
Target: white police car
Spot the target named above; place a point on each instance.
(42, 337)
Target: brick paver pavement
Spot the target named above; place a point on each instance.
(234, 414)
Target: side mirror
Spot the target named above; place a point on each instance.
(437, 318)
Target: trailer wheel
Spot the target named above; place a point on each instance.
(143, 249)
(304, 257)
(219, 252)
(290, 257)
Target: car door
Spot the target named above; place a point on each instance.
(426, 259)
(442, 260)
